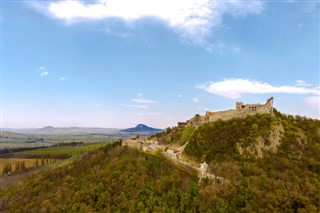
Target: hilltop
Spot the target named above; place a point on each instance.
(141, 128)
(260, 162)
(241, 111)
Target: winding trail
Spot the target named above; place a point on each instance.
(176, 156)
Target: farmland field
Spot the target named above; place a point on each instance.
(36, 157)
(10, 140)
(16, 163)
(61, 150)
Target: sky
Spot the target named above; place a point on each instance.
(118, 63)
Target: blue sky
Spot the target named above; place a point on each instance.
(117, 63)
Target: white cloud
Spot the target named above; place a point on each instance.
(302, 83)
(44, 73)
(118, 33)
(195, 99)
(98, 105)
(193, 19)
(63, 78)
(235, 88)
(144, 101)
(134, 106)
(140, 102)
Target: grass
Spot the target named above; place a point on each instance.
(73, 151)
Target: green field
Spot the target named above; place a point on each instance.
(37, 157)
(62, 150)
(11, 140)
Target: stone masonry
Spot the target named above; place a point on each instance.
(242, 110)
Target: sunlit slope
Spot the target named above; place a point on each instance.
(268, 164)
(111, 179)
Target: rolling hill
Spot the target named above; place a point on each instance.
(50, 130)
(141, 128)
(268, 164)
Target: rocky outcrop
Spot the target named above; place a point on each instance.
(270, 143)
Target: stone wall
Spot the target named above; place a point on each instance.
(196, 120)
(241, 111)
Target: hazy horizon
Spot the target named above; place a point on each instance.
(89, 127)
(115, 64)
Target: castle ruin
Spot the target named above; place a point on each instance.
(242, 110)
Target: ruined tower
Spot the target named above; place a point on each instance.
(242, 110)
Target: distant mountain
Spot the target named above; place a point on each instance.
(141, 128)
(47, 128)
(50, 130)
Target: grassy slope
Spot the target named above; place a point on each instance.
(119, 179)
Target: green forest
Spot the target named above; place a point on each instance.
(117, 178)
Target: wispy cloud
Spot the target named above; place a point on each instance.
(147, 113)
(118, 33)
(144, 101)
(139, 102)
(44, 73)
(302, 83)
(195, 99)
(135, 106)
(300, 25)
(193, 19)
(235, 88)
(63, 78)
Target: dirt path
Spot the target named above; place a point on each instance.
(176, 156)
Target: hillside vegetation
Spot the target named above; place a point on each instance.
(270, 164)
(284, 177)
(111, 179)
